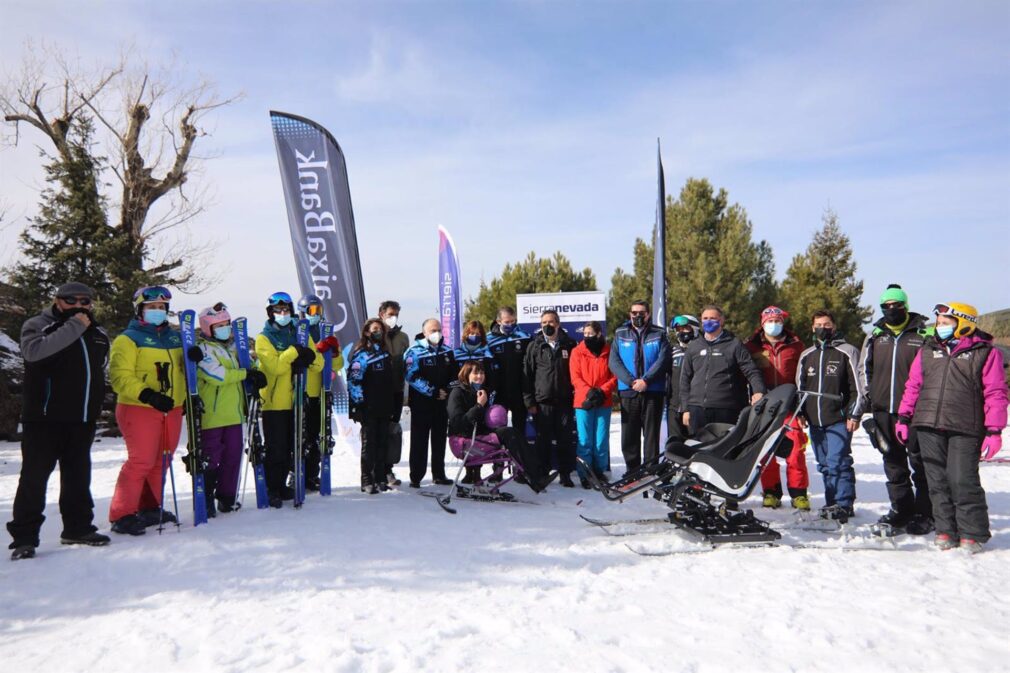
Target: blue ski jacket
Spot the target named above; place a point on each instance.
(640, 354)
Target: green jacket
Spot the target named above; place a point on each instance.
(219, 380)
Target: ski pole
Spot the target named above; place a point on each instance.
(167, 458)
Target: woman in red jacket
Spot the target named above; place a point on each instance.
(776, 352)
(594, 384)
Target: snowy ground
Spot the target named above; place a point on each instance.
(391, 583)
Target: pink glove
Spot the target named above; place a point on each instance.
(901, 432)
(991, 446)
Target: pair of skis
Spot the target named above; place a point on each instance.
(325, 433)
(255, 449)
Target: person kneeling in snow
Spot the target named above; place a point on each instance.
(956, 399)
(472, 417)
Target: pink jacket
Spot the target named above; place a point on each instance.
(994, 388)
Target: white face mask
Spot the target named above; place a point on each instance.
(434, 338)
(390, 321)
(773, 329)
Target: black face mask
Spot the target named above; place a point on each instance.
(685, 337)
(549, 330)
(824, 333)
(896, 315)
(594, 343)
(376, 337)
(638, 321)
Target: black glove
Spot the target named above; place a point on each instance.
(257, 378)
(354, 413)
(306, 356)
(594, 398)
(162, 403)
(194, 354)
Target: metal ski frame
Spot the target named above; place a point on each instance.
(194, 410)
(302, 339)
(252, 435)
(326, 441)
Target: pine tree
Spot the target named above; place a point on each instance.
(71, 239)
(710, 258)
(531, 275)
(824, 277)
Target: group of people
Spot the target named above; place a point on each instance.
(937, 397)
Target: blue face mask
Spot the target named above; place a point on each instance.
(155, 316)
(944, 331)
(508, 329)
(473, 340)
(282, 319)
(476, 386)
(222, 333)
(773, 329)
(710, 326)
(314, 319)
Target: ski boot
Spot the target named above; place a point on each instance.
(131, 524)
(838, 513)
(771, 500)
(802, 503)
(945, 541)
(92, 539)
(971, 546)
(920, 524)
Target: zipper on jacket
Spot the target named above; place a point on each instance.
(49, 390)
(820, 386)
(943, 386)
(894, 366)
(87, 381)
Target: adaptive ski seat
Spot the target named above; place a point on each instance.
(701, 481)
(504, 454)
(732, 464)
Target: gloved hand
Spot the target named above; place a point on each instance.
(991, 446)
(194, 354)
(306, 356)
(594, 398)
(162, 403)
(257, 378)
(901, 431)
(354, 413)
(330, 343)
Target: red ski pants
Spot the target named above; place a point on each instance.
(797, 477)
(148, 433)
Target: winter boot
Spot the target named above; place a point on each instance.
(838, 513)
(566, 480)
(131, 524)
(470, 477)
(155, 516)
(226, 503)
(945, 541)
(771, 500)
(894, 519)
(920, 524)
(584, 483)
(971, 546)
(274, 499)
(802, 503)
(391, 480)
(366, 483)
(92, 539)
(441, 481)
(209, 489)
(22, 552)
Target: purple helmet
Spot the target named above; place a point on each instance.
(496, 417)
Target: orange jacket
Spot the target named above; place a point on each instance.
(591, 371)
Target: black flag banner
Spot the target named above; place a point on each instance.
(318, 197)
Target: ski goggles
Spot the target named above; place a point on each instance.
(74, 301)
(314, 309)
(280, 298)
(945, 309)
(151, 294)
(216, 308)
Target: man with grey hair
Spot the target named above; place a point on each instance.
(65, 354)
(430, 369)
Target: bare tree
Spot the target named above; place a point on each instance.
(153, 120)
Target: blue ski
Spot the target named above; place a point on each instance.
(194, 409)
(253, 436)
(302, 339)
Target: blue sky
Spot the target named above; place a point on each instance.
(532, 126)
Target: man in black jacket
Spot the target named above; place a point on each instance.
(885, 360)
(65, 353)
(715, 375)
(549, 394)
(508, 343)
(829, 366)
(397, 344)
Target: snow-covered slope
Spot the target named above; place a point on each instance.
(391, 583)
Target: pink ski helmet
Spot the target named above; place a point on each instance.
(496, 417)
(213, 315)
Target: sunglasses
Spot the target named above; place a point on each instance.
(75, 301)
(637, 313)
